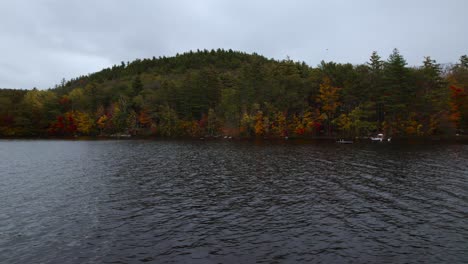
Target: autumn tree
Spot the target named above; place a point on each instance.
(84, 122)
(458, 102)
(328, 99)
(168, 122)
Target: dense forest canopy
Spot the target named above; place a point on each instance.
(220, 92)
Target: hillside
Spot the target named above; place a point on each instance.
(211, 93)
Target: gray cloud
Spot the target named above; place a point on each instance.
(45, 41)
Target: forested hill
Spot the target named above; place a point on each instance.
(213, 93)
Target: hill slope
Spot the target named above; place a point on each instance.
(226, 92)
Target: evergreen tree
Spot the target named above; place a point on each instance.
(396, 90)
(137, 85)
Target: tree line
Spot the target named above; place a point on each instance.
(225, 92)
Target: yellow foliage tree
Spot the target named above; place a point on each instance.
(296, 125)
(33, 99)
(311, 119)
(246, 124)
(279, 127)
(344, 123)
(101, 122)
(329, 99)
(411, 126)
(259, 128)
(78, 99)
(84, 122)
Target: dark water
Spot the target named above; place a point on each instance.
(232, 202)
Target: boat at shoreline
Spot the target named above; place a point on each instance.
(342, 141)
(380, 138)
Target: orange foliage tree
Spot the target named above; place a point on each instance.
(259, 125)
(329, 100)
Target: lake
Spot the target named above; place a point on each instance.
(161, 201)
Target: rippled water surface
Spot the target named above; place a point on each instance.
(232, 202)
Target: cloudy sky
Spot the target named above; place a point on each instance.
(43, 41)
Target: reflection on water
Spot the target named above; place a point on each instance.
(232, 202)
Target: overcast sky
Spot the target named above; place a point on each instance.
(44, 41)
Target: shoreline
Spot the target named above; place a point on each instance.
(420, 139)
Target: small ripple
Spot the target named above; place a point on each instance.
(202, 202)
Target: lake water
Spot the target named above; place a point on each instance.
(232, 202)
